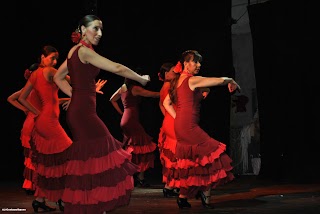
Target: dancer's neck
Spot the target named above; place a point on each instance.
(186, 73)
(86, 44)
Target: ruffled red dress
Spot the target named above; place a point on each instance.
(26, 138)
(50, 140)
(167, 145)
(99, 172)
(202, 161)
(135, 139)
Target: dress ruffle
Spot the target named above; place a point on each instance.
(170, 177)
(99, 207)
(28, 184)
(50, 171)
(194, 160)
(27, 159)
(41, 161)
(172, 182)
(51, 145)
(141, 144)
(167, 163)
(170, 145)
(165, 142)
(52, 195)
(116, 159)
(95, 200)
(107, 170)
(29, 170)
(98, 193)
(167, 153)
(25, 139)
(211, 170)
(142, 148)
(50, 181)
(28, 174)
(167, 149)
(144, 161)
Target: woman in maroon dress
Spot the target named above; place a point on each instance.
(99, 172)
(135, 138)
(202, 161)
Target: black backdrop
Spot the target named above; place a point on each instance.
(284, 50)
(136, 34)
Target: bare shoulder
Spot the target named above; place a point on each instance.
(194, 82)
(85, 54)
(196, 78)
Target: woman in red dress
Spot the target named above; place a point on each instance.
(202, 161)
(167, 139)
(50, 141)
(26, 131)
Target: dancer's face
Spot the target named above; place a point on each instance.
(93, 32)
(50, 60)
(192, 67)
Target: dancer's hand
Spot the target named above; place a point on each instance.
(233, 85)
(65, 105)
(144, 79)
(99, 84)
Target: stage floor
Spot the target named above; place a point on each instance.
(244, 195)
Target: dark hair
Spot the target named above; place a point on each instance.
(86, 20)
(165, 67)
(31, 69)
(47, 50)
(187, 56)
(130, 82)
(34, 67)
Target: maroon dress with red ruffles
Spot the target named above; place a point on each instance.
(26, 138)
(99, 172)
(135, 139)
(202, 161)
(167, 145)
(50, 140)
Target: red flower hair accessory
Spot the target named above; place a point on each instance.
(27, 73)
(160, 78)
(76, 36)
(178, 68)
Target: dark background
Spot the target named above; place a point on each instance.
(143, 35)
(285, 58)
